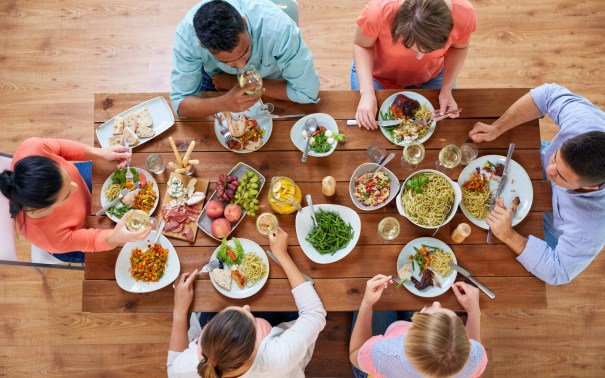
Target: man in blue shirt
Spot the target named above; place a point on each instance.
(575, 164)
(219, 37)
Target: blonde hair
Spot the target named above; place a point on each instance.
(437, 344)
(228, 342)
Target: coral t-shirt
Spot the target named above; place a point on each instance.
(396, 66)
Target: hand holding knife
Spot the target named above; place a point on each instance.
(466, 274)
(503, 180)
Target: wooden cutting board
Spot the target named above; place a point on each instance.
(200, 186)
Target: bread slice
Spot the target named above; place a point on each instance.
(239, 277)
(116, 140)
(145, 132)
(222, 278)
(144, 118)
(118, 125)
(130, 136)
(131, 121)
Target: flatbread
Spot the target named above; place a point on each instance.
(130, 136)
(118, 125)
(145, 132)
(116, 140)
(143, 118)
(222, 278)
(131, 121)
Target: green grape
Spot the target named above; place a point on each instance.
(254, 179)
(254, 185)
(256, 207)
(255, 201)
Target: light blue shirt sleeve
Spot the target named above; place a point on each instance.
(186, 78)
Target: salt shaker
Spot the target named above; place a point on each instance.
(461, 232)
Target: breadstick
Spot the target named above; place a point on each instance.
(173, 165)
(175, 150)
(193, 161)
(180, 170)
(189, 150)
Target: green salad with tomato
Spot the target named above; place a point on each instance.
(228, 254)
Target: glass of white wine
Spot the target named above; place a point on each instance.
(388, 229)
(449, 158)
(139, 220)
(413, 154)
(249, 75)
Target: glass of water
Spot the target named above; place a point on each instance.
(468, 152)
(376, 153)
(413, 154)
(388, 229)
(155, 163)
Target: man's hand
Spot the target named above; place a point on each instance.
(183, 292)
(447, 103)
(374, 289)
(366, 112)
(500, 221)
(223, 81)
(236, 100)
(482, 132)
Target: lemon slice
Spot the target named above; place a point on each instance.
(277, 187)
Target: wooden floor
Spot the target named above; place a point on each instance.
(55, 54)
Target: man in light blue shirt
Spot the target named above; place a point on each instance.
(219, 37)
(575, 164)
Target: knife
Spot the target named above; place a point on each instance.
(466, 274)
(503, 180)
(275, 116)
(272, 256)
(352, 122)
(111, 203)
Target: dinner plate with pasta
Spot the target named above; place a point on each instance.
(244, 268)
(481, 178)
(142, 267)
(423, 264)
(407, 107)
(145, 197)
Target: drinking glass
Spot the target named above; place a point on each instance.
(468, 152)
(139, 220)
(155, 163)
(376, 153)
(388, 229)
(449, 158)
(249, 75)
(266, 223)
(413, 154)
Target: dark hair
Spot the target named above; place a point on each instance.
(218, 25)
(425, 23)
(585, 154)
(228, 341)
(34, 183)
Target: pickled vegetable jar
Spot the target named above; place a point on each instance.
(284, 195)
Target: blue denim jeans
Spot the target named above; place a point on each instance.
(431, 84)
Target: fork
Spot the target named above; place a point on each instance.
(209, 267)
(424, 122)
(224, 129)
(129, 176)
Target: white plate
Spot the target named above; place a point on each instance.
(236, 292)
(404, 258)
(413, 95)
(149, 178)
(521, 187)
(161, 113)
(457, 197)
(367, 168)
(322, 119)
(124, 278)
(266, 124)
(304, 225)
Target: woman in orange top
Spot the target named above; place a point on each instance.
(409, 44)
(50, 201)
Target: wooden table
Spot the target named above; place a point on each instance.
(341, 284)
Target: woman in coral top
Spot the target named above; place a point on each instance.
(50, 200)
(409, 44)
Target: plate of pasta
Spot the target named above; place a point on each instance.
(428, 198)
(142, 267)
(481, 177)
(411, 108)
(423, 264)
(244, 268)
(145, 197)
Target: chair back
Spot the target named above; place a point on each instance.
(290, 7)
(8, 251)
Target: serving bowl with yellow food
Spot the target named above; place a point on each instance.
(428, 198)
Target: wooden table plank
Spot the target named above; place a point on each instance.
(336, 294)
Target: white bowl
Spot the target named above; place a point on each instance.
(457, 198)
(367, 168)
(304, 225)
(322, 119)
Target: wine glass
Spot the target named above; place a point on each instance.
(388, 230)
(469, 152)
(449, 158)
(413, 154)
(249, 75)
(376, 152)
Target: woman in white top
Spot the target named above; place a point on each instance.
(235, 344)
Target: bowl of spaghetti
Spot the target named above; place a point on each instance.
(428, 198)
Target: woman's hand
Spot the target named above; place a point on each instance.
(374, 289)
(278, 242)
(115, 153)
(121, 235)
(446, 103)
(468, 297)
(183, 292)
(366, 111)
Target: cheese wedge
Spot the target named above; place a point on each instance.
(222, 278)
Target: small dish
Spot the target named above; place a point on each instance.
(296, 133)
(368, 168)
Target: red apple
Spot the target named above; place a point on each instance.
(220, 228)
(215, 209)
(233, 212)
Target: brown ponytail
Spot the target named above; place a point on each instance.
(228, 342)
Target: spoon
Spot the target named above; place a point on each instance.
(159, 231)
(310, 203)
(310, 127)
(384, 162)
